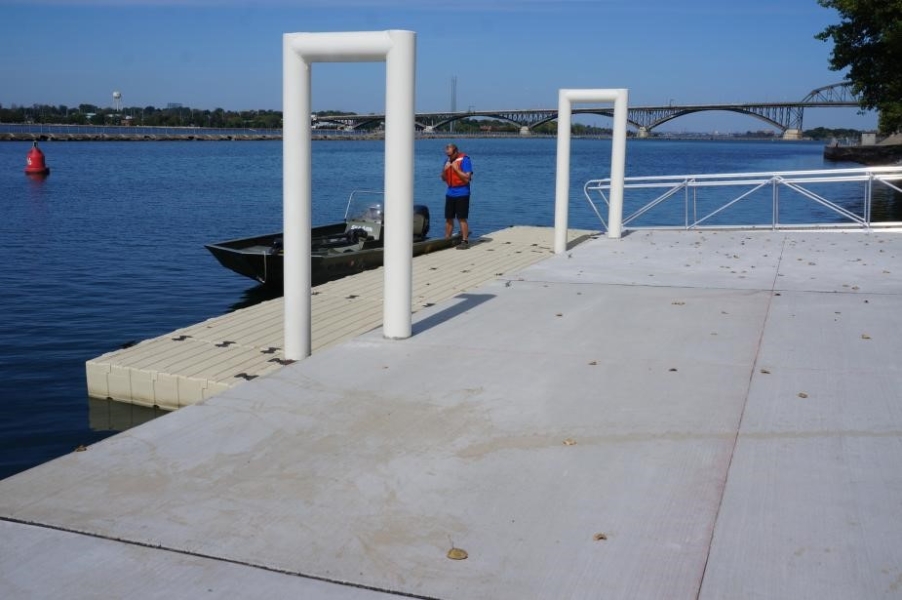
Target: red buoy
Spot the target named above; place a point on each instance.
(34, 162)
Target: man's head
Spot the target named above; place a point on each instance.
(450, 150)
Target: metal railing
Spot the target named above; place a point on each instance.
(838, 198)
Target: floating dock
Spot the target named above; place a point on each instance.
(688, 415)
(197, 362)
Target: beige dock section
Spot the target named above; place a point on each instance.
(194, 363)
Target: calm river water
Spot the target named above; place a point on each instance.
(109, 248)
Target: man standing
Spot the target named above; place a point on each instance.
(457, 173)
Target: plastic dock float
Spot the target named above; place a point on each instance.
(194, 363)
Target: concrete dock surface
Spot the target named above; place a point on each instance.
(707, 414)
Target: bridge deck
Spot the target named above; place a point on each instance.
(787, 116)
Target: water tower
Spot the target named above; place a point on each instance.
(117, 98)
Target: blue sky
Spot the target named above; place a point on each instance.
(504, 54)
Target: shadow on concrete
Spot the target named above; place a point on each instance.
(582, 238)
(465, 303)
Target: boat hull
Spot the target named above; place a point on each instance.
(257, 257)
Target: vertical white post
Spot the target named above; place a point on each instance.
(618, 165)
(296, 201)
(400, 73)
(299, 50)
(618, 160)
(562, 176)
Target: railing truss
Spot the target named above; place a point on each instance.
(706, 196)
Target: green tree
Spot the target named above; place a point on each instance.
(868, 41)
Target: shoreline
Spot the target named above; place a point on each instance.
(143, 137)
(199, 137)
(876, 155)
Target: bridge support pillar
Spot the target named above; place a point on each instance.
(524, 130)
(428, 129)
(643, 133)
(792, 134)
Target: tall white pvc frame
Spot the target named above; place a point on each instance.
(566, 98)
(397, 48)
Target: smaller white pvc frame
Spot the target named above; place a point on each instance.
(566, 98)
(397, 49)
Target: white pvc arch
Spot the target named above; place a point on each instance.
(397, 49)
(566, 98)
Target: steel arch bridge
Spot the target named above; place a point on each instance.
(785, 116)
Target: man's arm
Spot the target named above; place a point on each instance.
(464, 164)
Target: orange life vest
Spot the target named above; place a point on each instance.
(451, 177)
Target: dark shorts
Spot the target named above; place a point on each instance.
(457, 206)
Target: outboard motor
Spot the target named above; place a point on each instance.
(420, 221)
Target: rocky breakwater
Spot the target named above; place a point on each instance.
(887, 152)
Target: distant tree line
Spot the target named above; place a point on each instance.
(171, 116)
(181, 116)
(824, 133)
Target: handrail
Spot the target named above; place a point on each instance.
(705, 196)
